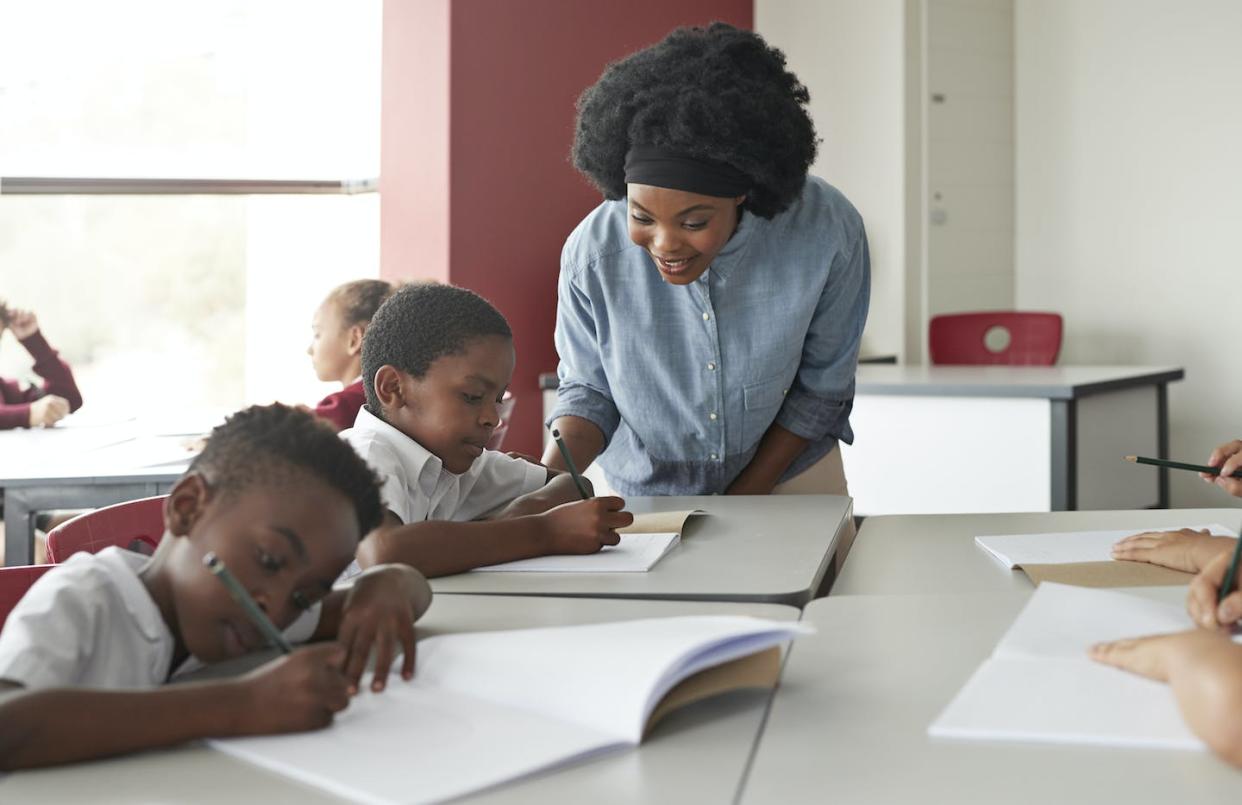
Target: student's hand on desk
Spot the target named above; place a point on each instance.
(1154, 657)
(300, 691)
(1186, 549)
(1204, 590)
(1228, 457)
(379, 611)
(585, 526)
(47, 411)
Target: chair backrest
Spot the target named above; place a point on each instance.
(1008, 337)
(136, 525)
(502, 427)
(14, 582)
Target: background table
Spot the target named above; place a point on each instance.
(764, 548)
(696, 754)
(849, 721)
(936, 553)
(1007, 438)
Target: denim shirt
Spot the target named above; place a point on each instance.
(685, 380)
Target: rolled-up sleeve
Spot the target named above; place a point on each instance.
(821, 397)
(583, 389)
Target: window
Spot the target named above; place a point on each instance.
(198, 301)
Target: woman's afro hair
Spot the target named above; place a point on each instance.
(716, 93)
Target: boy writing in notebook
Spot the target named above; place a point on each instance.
(1202, 666)
(435, 362)
(282, 502)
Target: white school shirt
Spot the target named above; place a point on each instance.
(91, 623)
(416, 485)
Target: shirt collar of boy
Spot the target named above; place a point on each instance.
(419, 462)
(125, 567)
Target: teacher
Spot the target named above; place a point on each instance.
(710, 310)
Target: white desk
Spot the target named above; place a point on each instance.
(1001, 438)
(849, 721)
(936, 553)
(696, 754)
(84, 467)
(763, 548)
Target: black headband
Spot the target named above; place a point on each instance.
(661, 167)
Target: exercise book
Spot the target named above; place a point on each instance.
(487, 708)
(643, 543)
(1040, 685)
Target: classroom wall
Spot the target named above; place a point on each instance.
(849, 54)
(1128, 206)
(496, 219)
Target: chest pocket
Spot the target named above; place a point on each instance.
(762, 400)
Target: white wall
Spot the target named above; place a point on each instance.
(1128, 132)
(850, 55)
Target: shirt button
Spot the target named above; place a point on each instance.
(711, 366)
(706, 317)
(712, 457)
(712, 416)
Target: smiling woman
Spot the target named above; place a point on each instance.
(710, 309)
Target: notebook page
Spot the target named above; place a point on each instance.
(599, 676)
(414, 744)
(635, 553)
(1013, 550)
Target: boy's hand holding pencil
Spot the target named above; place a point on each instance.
(297, 692)
(585, 526)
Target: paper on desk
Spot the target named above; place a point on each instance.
(1039, 684)
(1013, 550)
(636, 553)
(643, 543)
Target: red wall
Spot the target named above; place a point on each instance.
(515, 70)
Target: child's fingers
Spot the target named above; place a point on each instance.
(409, 648)
(383, 658)
(1201, 599)
(359, 651)
(1229, 611)
(610, 538)
(1140, 655)
(618, 519)
(611, 502)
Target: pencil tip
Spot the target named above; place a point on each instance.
(1132, 459)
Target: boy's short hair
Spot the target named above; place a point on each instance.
(358, 300)
(421, 323)
(273, 443)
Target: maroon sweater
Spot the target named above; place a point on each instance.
(57, 379)
(341, 408)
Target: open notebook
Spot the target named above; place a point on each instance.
(1039, 684)
(643, 543)
(486, 708)
(1083, 558)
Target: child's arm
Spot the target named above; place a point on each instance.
(1204, 669)
(61, 725)
(1186, 549)
(442, 548)
(56, 374)
(559, 489)
(377, 610)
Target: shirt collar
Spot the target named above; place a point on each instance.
(420, 463)
(125, 566)
(735, 247)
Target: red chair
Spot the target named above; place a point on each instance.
(502, 427)
(1026, 339)
(135, 525)
(14, 582)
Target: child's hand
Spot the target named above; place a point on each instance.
(1228, 457)
(1186, 549)
(297, 692)
(23, 323)
(586, 525)
(1204, 590)
(47, 411)
(1155, 656)
(379, 610)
